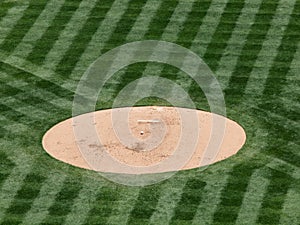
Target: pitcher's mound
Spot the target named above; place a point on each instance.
(144, 137)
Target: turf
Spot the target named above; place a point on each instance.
(259, 185)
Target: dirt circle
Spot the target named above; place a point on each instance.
(147, 136)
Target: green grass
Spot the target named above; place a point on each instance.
(33, 101)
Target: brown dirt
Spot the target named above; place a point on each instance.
(155, 133)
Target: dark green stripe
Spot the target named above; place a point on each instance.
(4, 7)
(133, 72)
(6, 165)
(285, 55)
(161, 19)
(191, 197)
(279, 133)
(46, 42)
(23, 25)
(63, 201)
(185, 38)
(83, 38)
(249, 54)
(104, 205)
(273, 200)
(34, 82)
(192, 23)
(233, 193)
(223, 32)
(145, 205)
(24, 199)
(125, 24)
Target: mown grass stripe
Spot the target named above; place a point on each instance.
(103, 33)
(137, 32)
(145, 205)
(38, 28)
(290, 213)
(67, 35)
(6, 164)
(13, 116)
(124, 25)
(279, 149)
(46, 42)
(170, 33)
(286, 51)
(84, 202)
(236, 42)
(223, 32)
(123, 77)
(191, 25)
(143, 21)
(256, 190)
(4, 8)
(121, 211)
(166, 30)
(274, 198)
(14, 182)
(104, 203)
(208, 27)
(211, 197)
(270, 47)
(177, 21)
(16, 35)
(10, 20)
(26, 89)
(80, 42)
(159, 23)
(23, 199)
(170, 195)
(39, 209)
(33, 69)
(191, 197)
(199, 10)
(122, 28)
(64, 200)
(283, 166)
(31, 80)
(233, 193)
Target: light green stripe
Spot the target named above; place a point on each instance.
(66, 37)
(208, 27)
(99, 39)
(46, 197)
(14, 182)
(290, 213)
(211, 198)
(38, 71)
(179, 16)
(10, 20)
(38, 28)
(34, 112)
(170, 34)
(236, 42)
(121, 212)
(292, 86)
(83, 203)
(143, 21)
(169, 197)
(283, 166)
(206, 30)
(252, 201)
(269, 49)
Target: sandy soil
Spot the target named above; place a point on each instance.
(144, 139)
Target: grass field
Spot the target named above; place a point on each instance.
(252, 46)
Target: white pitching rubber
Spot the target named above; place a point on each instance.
(148, 121)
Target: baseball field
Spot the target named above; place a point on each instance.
(251, 46)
